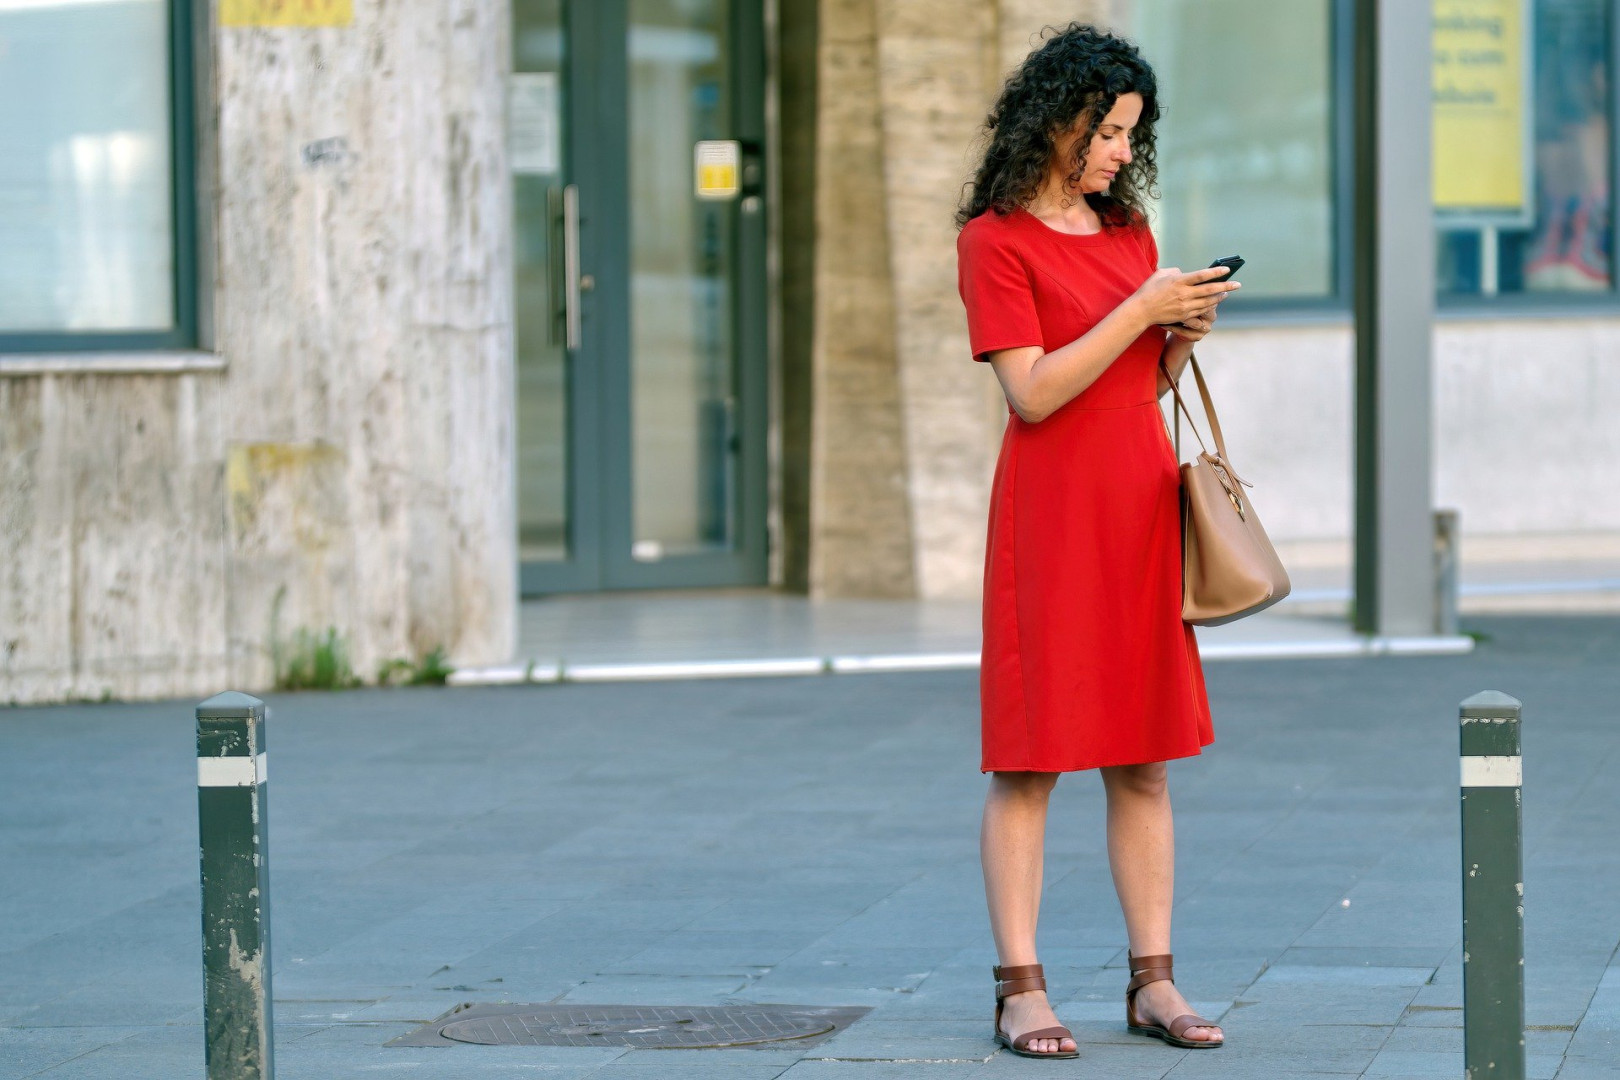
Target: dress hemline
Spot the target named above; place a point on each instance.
(1096, 765)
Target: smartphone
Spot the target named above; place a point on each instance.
(1233, 264)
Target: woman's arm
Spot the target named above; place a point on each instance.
(1178, 347)
(1176, 351)
(1038, 383)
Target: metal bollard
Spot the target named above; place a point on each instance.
(231, 820)
(1492, 888)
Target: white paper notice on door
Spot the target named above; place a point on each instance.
(534, 128)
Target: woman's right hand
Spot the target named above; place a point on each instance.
(1170, 296)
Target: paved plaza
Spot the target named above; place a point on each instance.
(810, 841)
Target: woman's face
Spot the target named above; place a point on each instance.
(1110, 148)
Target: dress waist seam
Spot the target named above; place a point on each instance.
(1111, 408)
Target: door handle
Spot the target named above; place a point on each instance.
(571, 298)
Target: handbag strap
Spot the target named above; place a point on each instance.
(1209, 411)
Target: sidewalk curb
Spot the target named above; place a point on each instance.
(561, 671)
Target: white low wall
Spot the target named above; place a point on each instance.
(1525, 439)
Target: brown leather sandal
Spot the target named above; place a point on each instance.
(1017, 980)
(1152, 969)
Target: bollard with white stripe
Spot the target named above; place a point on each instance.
(235, 887)
(1492, 888)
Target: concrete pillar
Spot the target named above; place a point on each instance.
(860, 520)
(363, 303)
(1393, 286)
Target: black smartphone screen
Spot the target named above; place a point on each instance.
(1233, 264)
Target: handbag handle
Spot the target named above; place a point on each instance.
(1209, 411)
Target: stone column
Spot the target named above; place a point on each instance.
(860, 519)
(937, 76)
(364, 307)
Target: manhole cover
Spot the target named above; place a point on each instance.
(644, 1026)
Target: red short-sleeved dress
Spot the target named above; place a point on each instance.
(1086, 660)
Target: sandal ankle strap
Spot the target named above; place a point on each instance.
(1140, 962)
(1150, 969)
(1018, 979)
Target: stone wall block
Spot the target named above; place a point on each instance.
(375, 303)
(114, 580)
(935, 78)
(1021, 22)
(861, 537)
(909, 19)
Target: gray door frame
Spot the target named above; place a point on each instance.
(600, 468)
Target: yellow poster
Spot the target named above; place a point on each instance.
(286, 12)
(1482, 108)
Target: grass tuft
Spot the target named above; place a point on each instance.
(430, 670)
(314, 661)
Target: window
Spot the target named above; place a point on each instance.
(94, 228)
(1522, 146)
(1246, 138)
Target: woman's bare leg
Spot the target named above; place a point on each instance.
(1142, 856)
(1011, 848)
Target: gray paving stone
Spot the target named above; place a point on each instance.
(619, 1070)
(1574, 1069)
(813, 841)
(813, 1069)
(26, 1051)
(148, 1054)
(656, 989)
(730, 1057)
(1341, 975)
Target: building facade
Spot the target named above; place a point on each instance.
(371, 318)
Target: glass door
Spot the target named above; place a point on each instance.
(640, 291)
(553, 536)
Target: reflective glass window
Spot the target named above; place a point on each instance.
(1245, 142)
(86, 196)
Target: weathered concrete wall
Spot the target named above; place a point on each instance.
(860, 520)
(352, 467)
(112, 511)
(937, 73)
(365, 308)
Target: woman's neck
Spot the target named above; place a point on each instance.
(1063, 210)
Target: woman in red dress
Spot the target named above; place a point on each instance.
(1087, 664)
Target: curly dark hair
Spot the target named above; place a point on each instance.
(1076, 75)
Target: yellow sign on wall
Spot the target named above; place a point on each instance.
(286, 12)
(716, 164)
(1482, 107)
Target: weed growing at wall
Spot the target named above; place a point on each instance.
(430, 670)
(313, 661)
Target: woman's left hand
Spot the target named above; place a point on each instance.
(1195, 327)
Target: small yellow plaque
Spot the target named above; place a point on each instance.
(717, 162)
(286, 12)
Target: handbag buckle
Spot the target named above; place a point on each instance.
(1229, 482)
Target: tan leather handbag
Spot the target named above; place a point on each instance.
(1228, 567)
